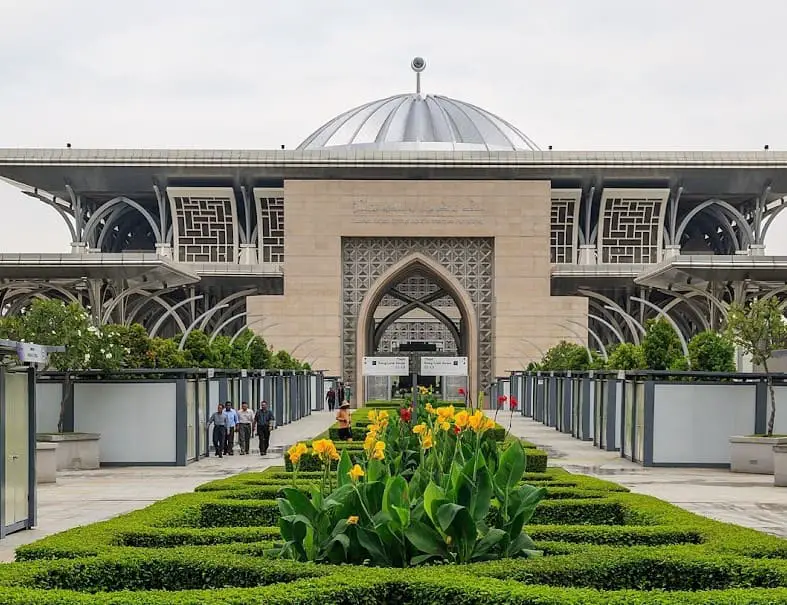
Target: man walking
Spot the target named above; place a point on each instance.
(245, 419)
(331, 397)
(264, 421)
(219, 421)
(232, 421)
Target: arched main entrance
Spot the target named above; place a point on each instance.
(417, 305)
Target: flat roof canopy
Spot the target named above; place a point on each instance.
(569, 280)
(137, 269)
(132, 172)
(698, 270)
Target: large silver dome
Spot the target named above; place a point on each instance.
(418, 122)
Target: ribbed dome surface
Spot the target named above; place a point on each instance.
(416, 122)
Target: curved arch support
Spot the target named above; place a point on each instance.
(170, 311)
(108, 207)
(686, 298)
(610, 304)
(609, 325)
(445, 280)
(595, 337)
(666, 316)
(743, 225)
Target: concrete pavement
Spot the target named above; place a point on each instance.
(748, 500)
(83, 497)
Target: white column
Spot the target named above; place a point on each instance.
(671, 251)
(248, 254)
(78, 247)
(164, 250)
(757, 250)
(587, 255)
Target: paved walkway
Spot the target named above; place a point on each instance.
(744, 499)
(82, 497)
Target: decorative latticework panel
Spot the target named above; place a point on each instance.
(469, 260)
(270, 224)
(563, 225)
(416, 286)
(205, 225)
(435, 332)
(632, 226)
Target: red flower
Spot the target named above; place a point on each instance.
(501, 399)
(406, 414)
(457, 430)
(462, 392)
(513, 403)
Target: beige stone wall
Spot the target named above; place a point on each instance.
(307, 318)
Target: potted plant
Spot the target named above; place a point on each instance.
(759, 329)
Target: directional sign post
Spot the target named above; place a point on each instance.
(386, 366)
(444, 366)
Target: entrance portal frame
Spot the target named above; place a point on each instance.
(416, 261)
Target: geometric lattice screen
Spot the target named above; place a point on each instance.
(564, 223)
(270, 224)
(631, 225)
(468, 259)
(204, 225)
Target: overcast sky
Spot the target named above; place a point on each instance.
(580, 74)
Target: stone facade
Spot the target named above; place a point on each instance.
(514, 216)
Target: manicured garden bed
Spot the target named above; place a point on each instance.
(600, 544)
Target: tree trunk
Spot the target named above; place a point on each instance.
(63, 401)
(772, 391)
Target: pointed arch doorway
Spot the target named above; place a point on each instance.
(416, 302)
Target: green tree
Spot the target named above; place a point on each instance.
(164, 354)
(197, 349)
(661, 345)
(135, 343)
(759, 329)
(627, 356)
(566, 356)
(53, 323)
(712, 352)
(259, 354)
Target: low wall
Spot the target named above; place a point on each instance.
(655, 419)
(161, 420)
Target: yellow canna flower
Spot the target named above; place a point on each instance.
(325, 449)
(374, 428)
(477, 421)
(356, 472)
(419, 428)
(352, 520)
(445, 413)
(427, 441)
(490, 424)
(379, 451)
(368, 443)
(296, 451)
(372, 416)
(383, 415)
(445, 426)
(461, 419)
(430, 409)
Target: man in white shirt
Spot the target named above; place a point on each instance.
(245, 419)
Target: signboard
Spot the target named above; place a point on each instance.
(444, 366)
(386, 366)
(30, 353)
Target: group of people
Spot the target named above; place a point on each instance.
(340, 395)
(228, 422)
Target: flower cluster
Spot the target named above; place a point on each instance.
(374, 444)
(296, 452)
(326, 450)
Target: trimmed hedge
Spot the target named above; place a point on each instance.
(602, 544)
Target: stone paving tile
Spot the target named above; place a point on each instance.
(83, 497)
(743, 499)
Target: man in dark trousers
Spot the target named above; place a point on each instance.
(264, 421)
(219, 421)
(232, 422)
(243, 429)
(331, 397)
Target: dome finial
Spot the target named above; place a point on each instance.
(418, 64)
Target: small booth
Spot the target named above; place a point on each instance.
(18, 435)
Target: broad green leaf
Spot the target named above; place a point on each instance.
(462, 530)
(432, 495)
(395, 495)
(419, 559)
(425, 539)
(446, 513)
(523, 546)
(343, 469)
(404, 515)
(511, 468)
(285, 508)
(482, 496)
(300, 503)
(372, 543)
(373, 496)
(528, 497)
(485, 545)
(375, 471)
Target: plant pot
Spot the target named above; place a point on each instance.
(780, 465)
(752, 454)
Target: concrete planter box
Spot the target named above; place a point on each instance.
(753, 454)
(46, 462)
(75, 451)
(780, 465)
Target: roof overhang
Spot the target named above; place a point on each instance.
(133, 171)
(569, 280)
(135, 269)
(697, 271)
